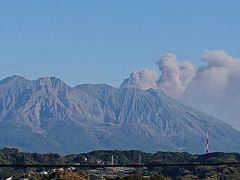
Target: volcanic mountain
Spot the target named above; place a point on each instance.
(46, 115)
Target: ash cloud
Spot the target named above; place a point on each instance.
(175, 76)
(142, 79)
(216, 87)
(213, 88)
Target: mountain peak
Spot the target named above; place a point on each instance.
(98, 116)
(52, 82)
(49, 78)
(14, 79)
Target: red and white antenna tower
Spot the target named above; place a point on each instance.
(207, 143)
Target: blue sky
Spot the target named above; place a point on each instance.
(104, 41)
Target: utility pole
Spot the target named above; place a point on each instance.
(112, 160)
(140, 159)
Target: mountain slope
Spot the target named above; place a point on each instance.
(47, 115)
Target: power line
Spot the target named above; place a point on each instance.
(105, 166)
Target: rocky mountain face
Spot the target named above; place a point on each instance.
(46, 115)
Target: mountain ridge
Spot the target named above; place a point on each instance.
(86, 117)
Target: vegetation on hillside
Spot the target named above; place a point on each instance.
(13, 156)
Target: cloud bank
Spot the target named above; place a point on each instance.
(213, 88)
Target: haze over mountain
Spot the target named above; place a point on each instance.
(47, 115)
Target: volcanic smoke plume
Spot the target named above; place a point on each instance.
(213, 88)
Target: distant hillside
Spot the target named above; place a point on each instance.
(13, 156)
(46, 115)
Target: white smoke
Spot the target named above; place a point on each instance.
(213, 88)
(143, 79)
(175, 76)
